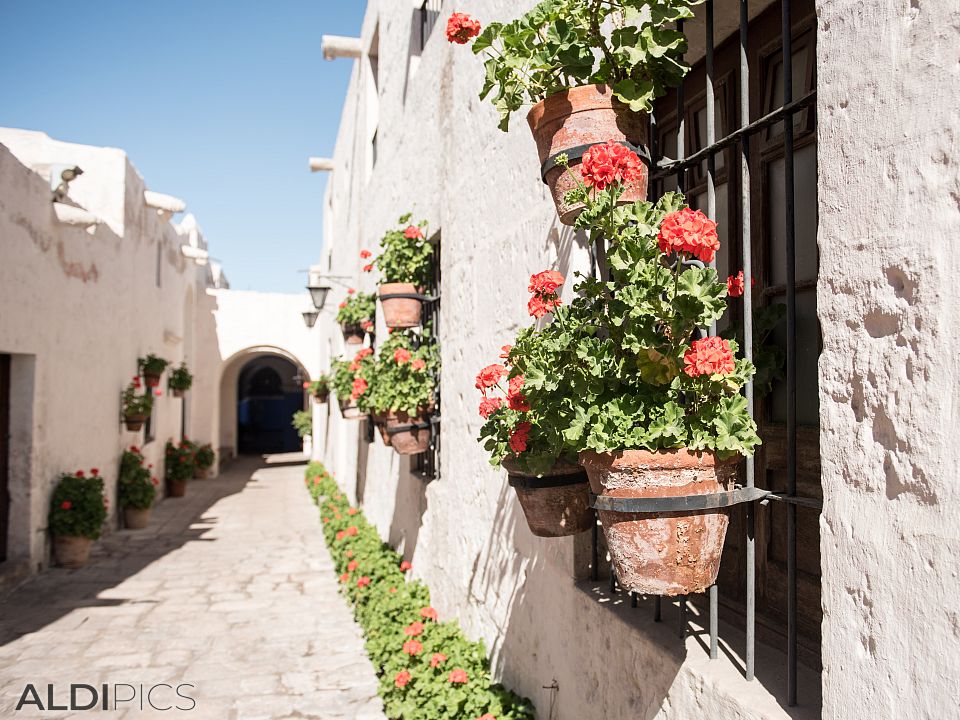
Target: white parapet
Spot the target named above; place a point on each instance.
(321, 164)
(338, 46)
(73, 215)
(163, 203)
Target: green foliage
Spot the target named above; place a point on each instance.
(386, 605)
(319, 387)
(180, 461)
(303, 423)
(77, 506)
(357, 309)
(403, 259)
(405, 386)
(152, 364)
(135, 487)
(180, 378)
(346, 372)
(204, 456)
(768, 357)
(136, 404)
(561, 44)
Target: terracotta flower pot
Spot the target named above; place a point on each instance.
(178, 488)
(568, 120)
(72, 551)
(350, 411)
(321, 397)
(400, 312)
(662, 553)
(556, 504)
(151, 379)
(135, 518)
(200, 473)
(134, 422)
(410, 440)
(178, 392)
(353, 334)
(379, 420)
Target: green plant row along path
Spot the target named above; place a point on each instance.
(230, 589)
(428, 669)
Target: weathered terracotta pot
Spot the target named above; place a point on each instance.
(177, 488)
(136, 519)
(134, 422)
(321, 397)
(178, 392)
(151, 379)
(669, 553)
(400, 312)
(410, 441)
(200, 473)
(556, 504)
(352, 334)
(584, 116)
(72, 551)
(350, 411)
(379, 420)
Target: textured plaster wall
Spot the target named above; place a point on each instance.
(76, 311)
(440, 155)
(890, 369)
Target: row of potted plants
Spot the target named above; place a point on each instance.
(138, 397)
(428, 670)
(622, 392)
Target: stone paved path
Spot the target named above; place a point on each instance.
(231, 589)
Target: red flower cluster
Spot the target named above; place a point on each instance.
(690, 232)
(402, 678)
(405, 566)
(518, 441)
(350, 291)
(306, 384)
(413, 647)
(459, 675)
(461, 27)
(364, 254)
(505, 353)
(363, 582)
(66, 505)
(609, 163)
(487, 716)
(351, 531)
(516, 400)
(544, 286)
(413, 232)
(368, 267)
(708, 356)
(344, 577)
(362, 353)
(366, 325)
(436, 659)
(352, 565)
(351, 511)
(428, 613)
(359, 388)
(418, 364)
(79, 473)
(489, 376)
(413, 629)
(401, 356)
(735, 284)
(488, 406)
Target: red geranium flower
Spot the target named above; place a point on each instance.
(351, 511)
(342, 305)
(418, 364)
(401, 356)
(413, 647)
(359, 388)
(690, 232)
(436, 659)
(352, 530)
(350, 291)
(428, 613)
(344, 577)
(352, 565)
(609, 163)
(341, 535)
(349, 553)
(79, 473)
(487, 716)
(402, 678)
(518, 441)
(158, 392)
(95, 471)
(413, 232)
(516, 399)
(363, 582)
(368, 268)
(393, 590)
(413, 629)
(155, 481)
(505, 353)
(66, 505)
(461, 27)
(362, 353)
(488, 406)
(708, 356)
(366, 325)
(539, 306)
(459, 675)
(364, 254)
(545, 283)
(735, 285)
(405, 565)
(490, 376)
(306, 384)
(134, 449)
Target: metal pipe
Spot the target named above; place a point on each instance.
(657, 609)
(681, 125)
(682, 617)
(594, 554)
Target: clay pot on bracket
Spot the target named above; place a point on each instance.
(200, 473)
(583, 116)
(178, 392)
(410, 440)
(662, 553)
(556, 504)
(352, 334)
(321, 397)
(134, 422)
(136, 518)
(72, 551)
(400, 312)
(350, 411)
(152, 380)
(380, 423)
(177, 488)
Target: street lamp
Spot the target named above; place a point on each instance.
(310, 317)
(318, 293)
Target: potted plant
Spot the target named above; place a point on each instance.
(351, 381)
(152, 367)
(405, 268)
(319, 388)
(180, 380)
(653, 408)
(203, 459)
(179, 467)
(355, 315)
(303, 423)
(137, 405)
(587, 83)
(136, 488)
(403, 396)
(78, 509)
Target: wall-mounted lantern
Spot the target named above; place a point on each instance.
(310, 317)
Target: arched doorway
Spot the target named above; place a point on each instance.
(269, 392)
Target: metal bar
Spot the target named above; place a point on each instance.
(682, 617)
(658, 609)
(743, 91)
(677, 503)
(681, 125)
(613, 579)
(594, 554)
(790, 251)
(813, 503)
(668, 167)
(633, 599)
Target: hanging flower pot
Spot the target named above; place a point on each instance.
(178, 393)
(400, 312)
(177, 488)
(573, 121)
(352, 334)
(555, 504)
(350, 411)
(321, 396)
(379, 420)
(662, 553)
(408, 434)
(72, 551)
(136, 518)
(200, 473)
(135, 422)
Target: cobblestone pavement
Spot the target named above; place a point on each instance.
(230, 589)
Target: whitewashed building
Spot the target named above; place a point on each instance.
(864, 598)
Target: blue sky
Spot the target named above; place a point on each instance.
(219, 103)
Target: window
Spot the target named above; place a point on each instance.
(427, 15)
(426, 465)
(372, 105)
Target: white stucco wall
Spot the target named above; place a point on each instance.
(889, 186)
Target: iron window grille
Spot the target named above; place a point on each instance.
(750, 161)
(427, 15)
(426, 465)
